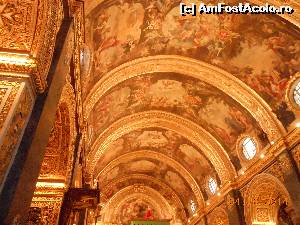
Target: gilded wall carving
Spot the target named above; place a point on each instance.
(128, 180)
(12, 134)
(49, 210)
(58, 158)
(296, 155)
(28, 28)
(263, 197)
(218, 217)
(8, 92)
(281, 167)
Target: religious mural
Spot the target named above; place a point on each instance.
(135, 209)
(188, 97)
(151, 167)
(163, 141)
(262, 51)
(166, 192)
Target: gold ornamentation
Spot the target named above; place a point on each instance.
(155, 155)
(197, 135)
(152, 182)
(8, 94)
(218, 217)
(112, 209)
(261, 196)
(212, 75)
(13, 133)
(281, 167)
(296, 155)
(289, 95)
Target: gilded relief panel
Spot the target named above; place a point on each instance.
(262, 51)
(151, 167)
(57, 151)
(8, 92)
(14, 130)
(167, 193)
(17, 23)
(185, 96)
(163, 141)
(46, 210)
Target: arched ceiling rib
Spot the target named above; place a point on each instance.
(197, 135)
(150, 197)
(144, 162)
(140, 48)
(228, 41)
(166, 191)
(163, 141)
(211, 75)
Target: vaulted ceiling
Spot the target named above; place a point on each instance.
(168, 99)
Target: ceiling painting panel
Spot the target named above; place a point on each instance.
(188, 97)
(137, 180)
(151, 167)
(162, 141)
(261, 51)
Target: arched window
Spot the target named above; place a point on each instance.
(296, 93)
(193, 206)
(212, 184)
(249, 148)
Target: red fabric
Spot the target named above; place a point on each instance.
(148, 215)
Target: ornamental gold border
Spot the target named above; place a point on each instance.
(174, 201)
(68, 97)
(204, 141)
(239, 148)
(289, 93)
(253, 189)
(212, 75)
(138, 190)
(161, 157)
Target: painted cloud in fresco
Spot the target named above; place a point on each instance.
(262, 51)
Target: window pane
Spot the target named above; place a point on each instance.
(249, 148)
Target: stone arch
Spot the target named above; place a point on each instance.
(264, 196)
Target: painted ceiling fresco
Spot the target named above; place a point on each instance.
(151, 167)
(182, 95)
(166, 142)
(135, 209)
(262, 51)
(166, 192)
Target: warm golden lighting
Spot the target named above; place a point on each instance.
(264, 223)
(50, 185)
(262, 156)
(298, 124)
(15, 58)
